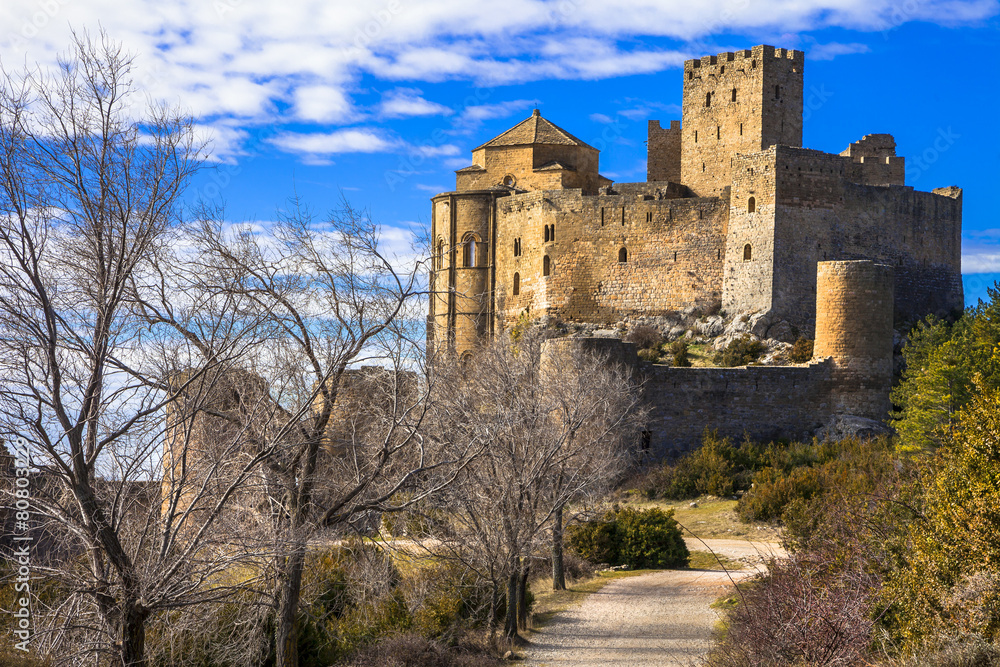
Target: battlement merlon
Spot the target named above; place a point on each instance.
(759, 52)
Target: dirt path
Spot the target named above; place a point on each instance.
(662, 618)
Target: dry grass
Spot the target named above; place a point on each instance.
(712, 518)
(704, 560)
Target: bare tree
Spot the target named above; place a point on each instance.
(89, 194)
(347, 442)
(555, 422)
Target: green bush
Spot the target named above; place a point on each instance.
(634, 538)
(802, 350)
(679, 350)
(716, 468)
(740, 352)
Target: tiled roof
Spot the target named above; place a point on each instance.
(534, 130)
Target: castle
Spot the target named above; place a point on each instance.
(735, 215)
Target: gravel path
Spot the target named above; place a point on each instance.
(661, 618)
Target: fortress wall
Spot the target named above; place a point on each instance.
(820, 216)
(663, 152)
(747, 283)
(674, 254)
(715, 127)
(766, 402)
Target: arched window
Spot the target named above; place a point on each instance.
(734, 94)
(708, 99)
(440, 255)
(747, 253)
(751, 205)
(546, 265)
(622, 256)
(470, 251)
(552, 233)
(517, 284)
(546, 233)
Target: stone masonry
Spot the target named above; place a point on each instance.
(735, 215)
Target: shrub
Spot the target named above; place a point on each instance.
(802, 350)
(649, 355)
(740, 352)
(716, 468)
(645, 337)
(634, 538)
(679, 350)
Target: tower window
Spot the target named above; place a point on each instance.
(690, 75)
(552, 232)
(777, 92)
(622, 256)
(741, 129)
(708, 99)
(546, 266)
(547, 233)
(440, 255)
(517, 283)
(751, 206)
(649, 216)
(734, 94)
(718, 131)
(753, 64)
(747, 253)
(703, 167)
(696, 136)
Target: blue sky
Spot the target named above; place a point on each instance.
(382, 100)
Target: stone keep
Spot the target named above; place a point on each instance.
(734, 213)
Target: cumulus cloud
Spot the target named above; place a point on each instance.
(264, 63)
(329, 143)
(403, 102)
(981, 262)
(831, 50)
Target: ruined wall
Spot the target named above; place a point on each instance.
(663, 152)
(874, 161)
(765, 402)
(673, 254)
(767, 86)
(526, 165)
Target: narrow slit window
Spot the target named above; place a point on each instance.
(747, 253)
(517, 284)
(718, 131)
(734, 94)
(622, 256)
(470, 252)
(546, 233)
(741, 129)
(440, 255)
(777, 92)
(708, 99)
(546, 266)
(751, 205)
(552, 233)
(696, 136)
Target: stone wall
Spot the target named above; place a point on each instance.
(764, 402)
(734, 103)
(673, 254)
(663, 152)
(808, 211)
(854, 328)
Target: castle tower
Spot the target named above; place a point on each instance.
(740, 102)
(535, 154)
(854, 306)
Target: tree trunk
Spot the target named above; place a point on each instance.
(558, 574)
(286, 632)
(491, 623)
(133, 637)
(522, 599)
(510, 627)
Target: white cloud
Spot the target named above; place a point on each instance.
(475, 114)
(248, 60)
(403, 102)
(601, 118)
(981, 263)
(833, 49)
(328, 143)
(322, 104)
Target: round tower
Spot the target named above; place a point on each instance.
(854, 309)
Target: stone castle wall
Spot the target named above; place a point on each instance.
(738, 102)
(663, 150)
(808, 211)
(673, 254)
(764, 402)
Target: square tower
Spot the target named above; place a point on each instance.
(741, 102)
